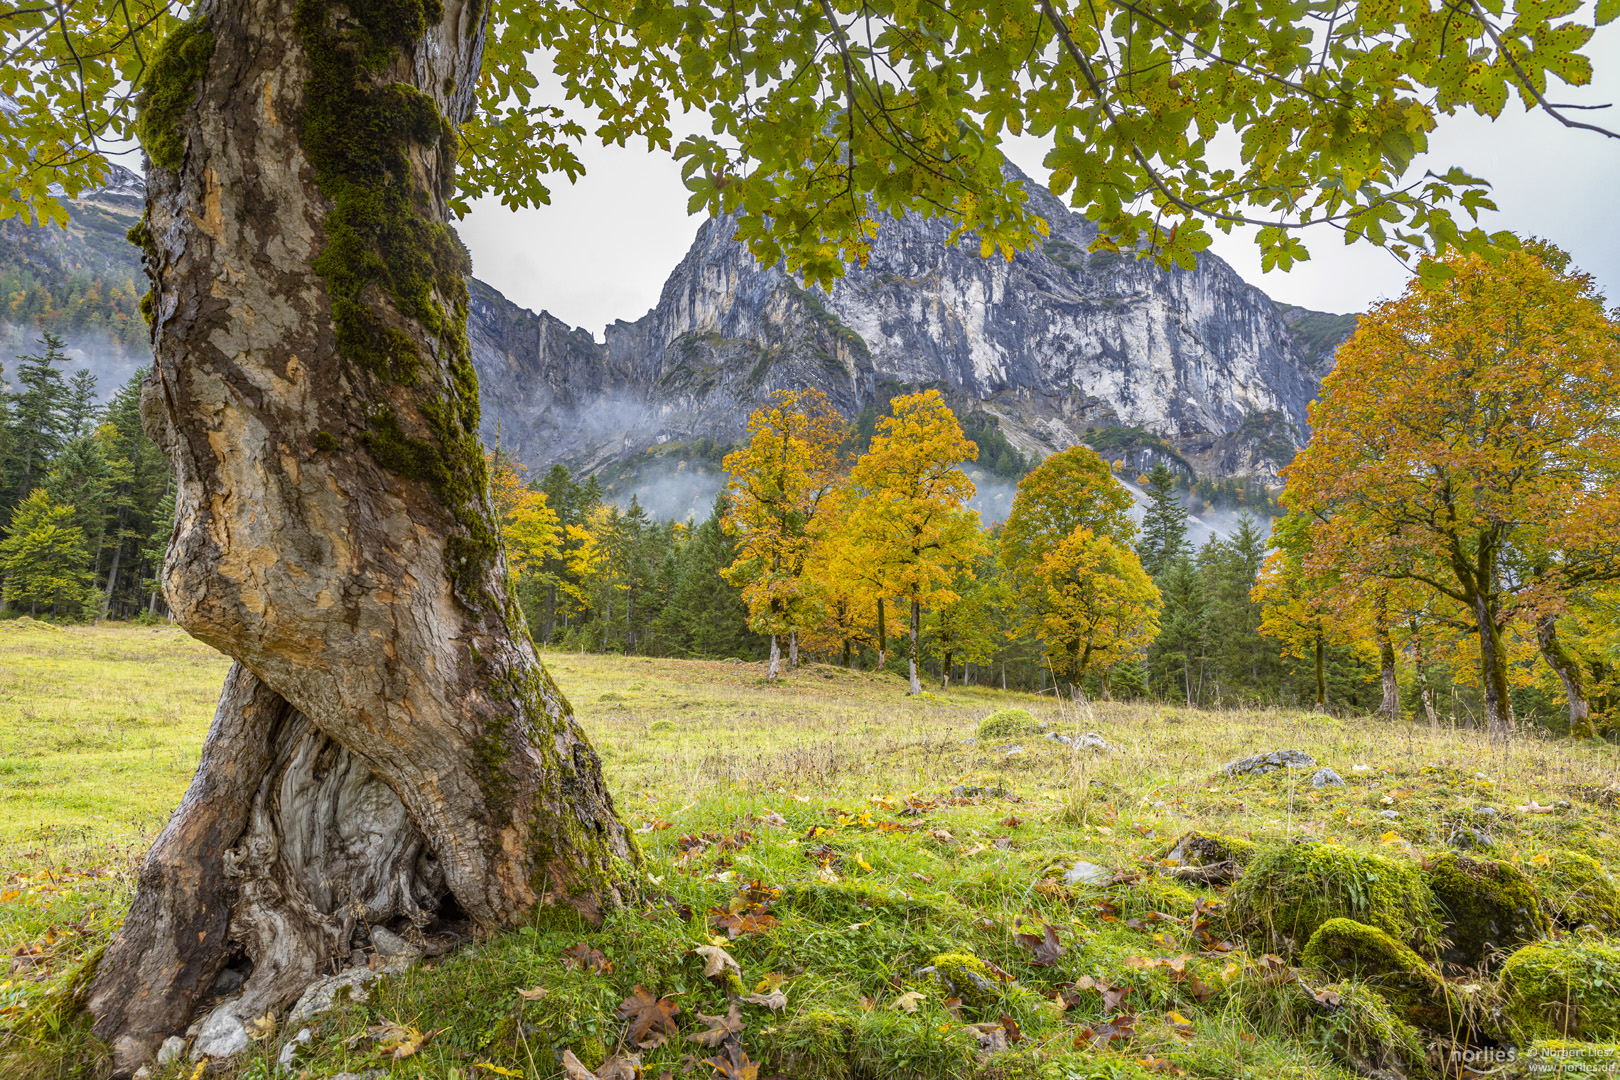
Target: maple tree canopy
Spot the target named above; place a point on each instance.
(828, 114)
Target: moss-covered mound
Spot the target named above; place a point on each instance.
(1415, 993)
(1569, 988)
(1008, 724)
(1579, 893)
(1366, 1034)
(1205, 848)
(1486, 904)
(1291, 890)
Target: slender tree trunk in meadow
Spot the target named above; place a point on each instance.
(916, 614)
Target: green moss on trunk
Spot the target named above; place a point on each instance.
(167, 88)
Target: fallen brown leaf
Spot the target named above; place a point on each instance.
(582, 956)
(716, 961)
(652, 1019)
(720, 1028)
(1044, 945)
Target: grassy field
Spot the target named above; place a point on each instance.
(882, 837)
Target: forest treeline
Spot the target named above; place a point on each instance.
(86, 498)
(1448, 550)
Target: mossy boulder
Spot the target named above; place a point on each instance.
(965, 976)
(1485, 903)
(1204, 849)
(1008, 724)
(1290, 891)
(1579, 892)
(1569, 988)
(1414, 992)
(1365, 1033)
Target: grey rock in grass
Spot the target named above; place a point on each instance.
(289, 1052)
(323, 994)
(221, 1035)
(1010, 749)
(1327, 778)
(1261, 764)
(1088, 873)
(1390, 815)
(172, 1049)
(1466, 839)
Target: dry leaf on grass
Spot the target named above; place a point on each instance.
(398, 1041)
(533, 994)
(775, 1000)
(1044, 945)
(1098, 1036)
(716, 961)
(617, 1067)
(733, 1064)
(583, 957)
(909, 1001)
(259, 1027)
(652, 1019)
(720, 1029)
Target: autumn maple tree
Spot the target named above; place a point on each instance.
(777, 483)
(530, 532)
(313, 380)
(1305, 613)
(1467, 442)
(909, 516)
(1091, 604)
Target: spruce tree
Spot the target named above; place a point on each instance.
(1164, 526)
(1177, 657)
(38, 420)
(706, 617)
(79, 409)
(81, 479)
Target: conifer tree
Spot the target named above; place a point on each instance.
(79, 410)
(37, 421)
(1164, 525)
(79, 478)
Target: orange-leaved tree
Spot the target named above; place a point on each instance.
(778, 482)
(1093, 604)
(1467, 441)
(910, 516)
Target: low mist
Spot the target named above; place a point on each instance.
(673, 494)
(112, 364)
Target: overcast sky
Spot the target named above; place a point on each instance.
(603, 248)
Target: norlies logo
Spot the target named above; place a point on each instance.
(1558, 1059)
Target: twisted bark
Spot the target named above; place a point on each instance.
(388, 735)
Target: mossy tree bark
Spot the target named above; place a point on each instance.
(388, 737)
(1561, 660)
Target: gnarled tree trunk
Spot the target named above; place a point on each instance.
(387, 737)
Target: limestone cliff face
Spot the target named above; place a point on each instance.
(1057, 345)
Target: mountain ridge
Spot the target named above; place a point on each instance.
(1061, 345)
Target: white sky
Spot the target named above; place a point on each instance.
(603, 248)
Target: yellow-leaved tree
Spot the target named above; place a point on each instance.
(778, 482)
(1067, 551)
(1467, 442)
(910, 517)
(1094, 604)
(530, 531)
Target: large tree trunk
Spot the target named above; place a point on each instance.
(882, 638)
(388, 735)
(775, 661)
(1569, 670)
(1321, 675)
(1425, 688)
